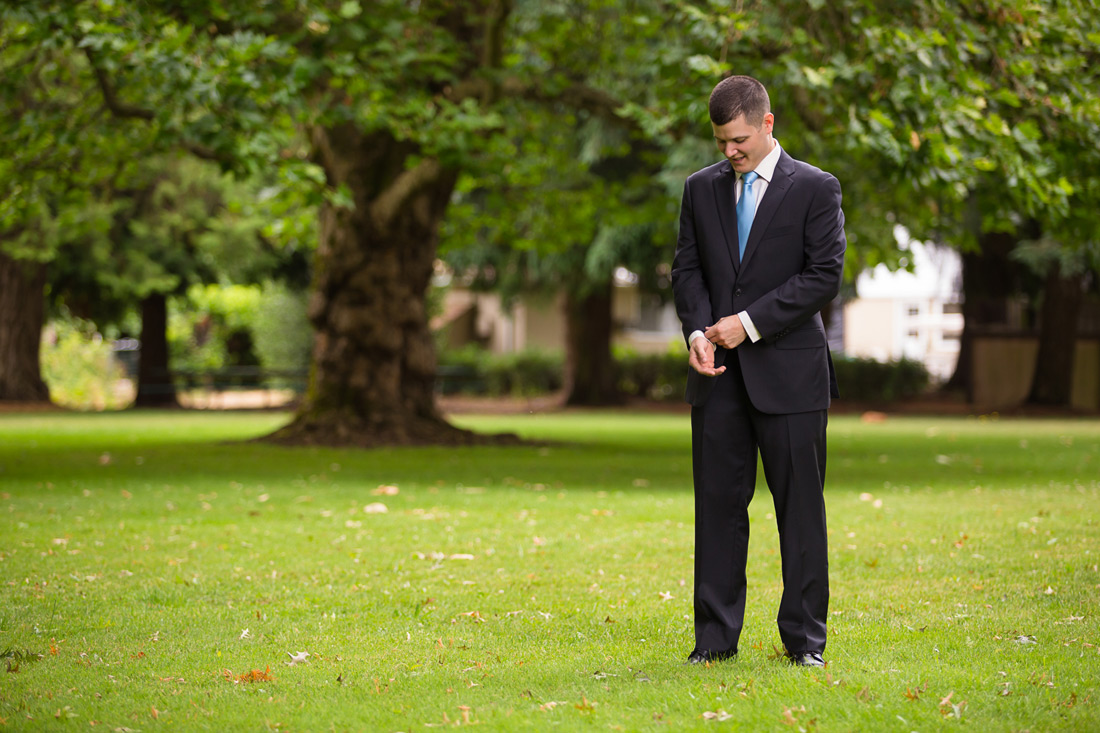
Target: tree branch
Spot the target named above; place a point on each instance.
(110, 98)
(405, 186)
(122, 109)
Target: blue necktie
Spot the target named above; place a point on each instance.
(746, 210)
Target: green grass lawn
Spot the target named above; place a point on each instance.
(157, 573)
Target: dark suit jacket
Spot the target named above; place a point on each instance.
(792, 268)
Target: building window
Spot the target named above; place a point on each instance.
(952, 308)
(914, 310)
(951, 335)
(913, 333)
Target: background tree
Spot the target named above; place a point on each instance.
(57, 163)
(394, 102)
(571, 200)
(180, 222)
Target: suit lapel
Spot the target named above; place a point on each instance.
(773, 197)
(726, 202)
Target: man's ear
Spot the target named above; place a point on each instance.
(769, 122)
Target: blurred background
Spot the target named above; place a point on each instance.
(363, 210)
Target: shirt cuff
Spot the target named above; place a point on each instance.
(750, 328)
(694, 335)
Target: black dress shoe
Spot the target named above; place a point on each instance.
(807, 659)
(702, 656)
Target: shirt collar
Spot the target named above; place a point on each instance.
(766, 169)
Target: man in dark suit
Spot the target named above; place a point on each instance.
(760, 252)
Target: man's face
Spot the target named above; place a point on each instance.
(744, 145)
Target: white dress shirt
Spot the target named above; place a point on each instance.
(765, 170)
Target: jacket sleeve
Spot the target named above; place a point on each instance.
(806, 293)
(689, 286)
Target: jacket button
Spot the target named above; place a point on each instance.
(737, 292)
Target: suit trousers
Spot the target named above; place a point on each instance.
(726, 433)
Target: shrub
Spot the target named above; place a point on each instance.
(80, 368)
(652, 376)
(471, 370)
(281, 332)
(867, 380)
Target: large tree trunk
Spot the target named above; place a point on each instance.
(22, 313)
(1062, 297)
(372, 375)
(155, 387)
(989, 277)
(589, 367)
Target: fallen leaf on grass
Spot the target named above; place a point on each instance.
(720, 715)
(551, 704)
(299, 658)
(789, 717)
(914, 693)
(585, 706)
(473, 616)
(1024, 640)
(375, 508)
(254, 675)
(386, 490)
(949, 709)
(246, 634)
(665, 595)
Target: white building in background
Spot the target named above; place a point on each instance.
(916, 315)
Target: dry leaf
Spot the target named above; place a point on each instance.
(375, 508)
(299, 658)
(385, 490)
(253, 675)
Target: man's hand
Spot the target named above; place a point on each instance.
(728, 332)
(701, 358)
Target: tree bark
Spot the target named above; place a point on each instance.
(589, 366)
(1058, 319)
(155, 387)
(989, 278)
(372, 375)
(22, 314)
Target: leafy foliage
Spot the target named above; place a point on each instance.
(80, 367)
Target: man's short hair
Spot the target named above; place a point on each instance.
(739, 95)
